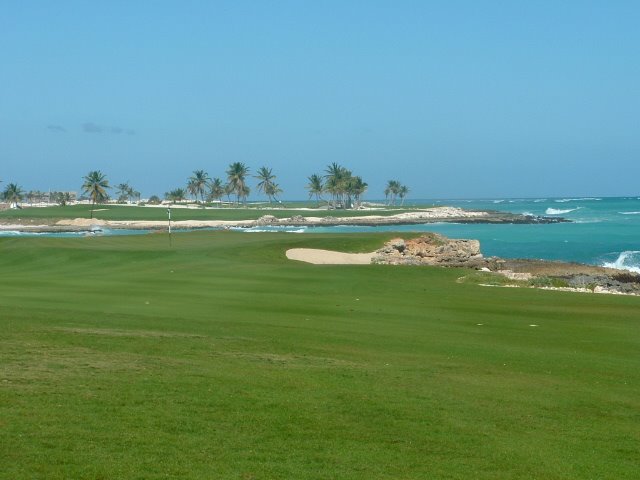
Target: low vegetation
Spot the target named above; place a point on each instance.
(345, 189)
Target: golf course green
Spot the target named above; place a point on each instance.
(124, 358)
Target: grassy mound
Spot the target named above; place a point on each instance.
(219, 358)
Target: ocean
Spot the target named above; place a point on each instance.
(603, 231)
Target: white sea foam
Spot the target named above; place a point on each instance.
(259, 230)
(538, 200)
(558, 211)
(627, 260)
(17, 233)
(498, 201)
(629, 213)
(583, 199)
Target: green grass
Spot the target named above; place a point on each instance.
(121, 212)
(219, 358)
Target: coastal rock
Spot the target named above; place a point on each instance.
(266, 220)
(297, 219)
(430, 249)
(393, 248)
(521, 276)
(619, 282)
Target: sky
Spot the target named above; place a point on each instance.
(455, 99)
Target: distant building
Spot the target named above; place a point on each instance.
(46, 198)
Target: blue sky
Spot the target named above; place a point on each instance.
(453, 98)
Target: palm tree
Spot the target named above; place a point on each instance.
(236, 176)
(267, 184)
(357, 188)
(62, 198)
(95, 185)
(228, 190)
(245, 193)
(392, 190)
(402, 192)
(123, 190)
(192, 188)
(336, 180)
(216, 190)
(315, 187)
(273, 190)
(13, 194)
(198, 183)
(176, 195)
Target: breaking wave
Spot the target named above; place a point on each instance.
(263, 230)
(558, 211)
(583, 199)
(627, 260)
(629, 213)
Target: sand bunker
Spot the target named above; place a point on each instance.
(328, 257)
(81, 222)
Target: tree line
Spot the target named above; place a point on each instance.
(343, 188)
(204, 188)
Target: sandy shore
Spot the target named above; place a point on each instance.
(328, 257)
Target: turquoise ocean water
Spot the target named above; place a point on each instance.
(604, 231)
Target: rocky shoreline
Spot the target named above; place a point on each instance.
(418, 217)
(486, 217)
(438, 250)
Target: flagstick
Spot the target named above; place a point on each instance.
(169, 212)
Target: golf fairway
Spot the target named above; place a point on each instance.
(121, 357)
